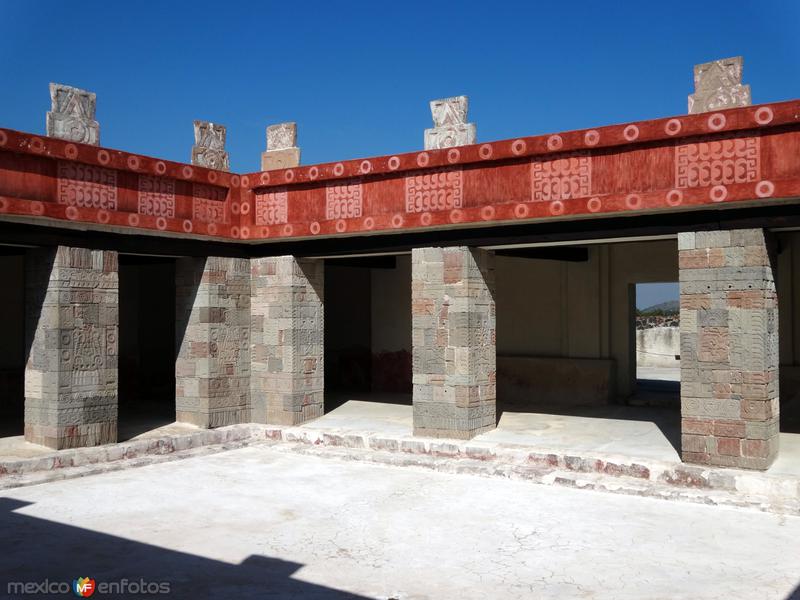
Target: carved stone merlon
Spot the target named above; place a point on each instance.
(282, 151)
(450, 127)
(71, 116)
(209, 146)
(718, 85)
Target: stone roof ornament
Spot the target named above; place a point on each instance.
(450, 127)
(718, 85)
(71, 116)
(209, 146)
(282, 151)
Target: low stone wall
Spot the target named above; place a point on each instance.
(650, 321)
(658, 347)
(777, 493)
(524, 380)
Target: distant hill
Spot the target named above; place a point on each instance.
(671, 307)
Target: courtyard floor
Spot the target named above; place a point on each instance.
(258, 522)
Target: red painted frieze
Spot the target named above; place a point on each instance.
(86, 186)
(719, 162)
(436, 189)
(749, 154)
(343, 201)
(156, 196)
(565, 177)
(271, 207)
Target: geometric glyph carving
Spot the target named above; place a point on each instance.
(87, 186)
(272, 207)
(208, 203)
(156, 196)
(208, 211)
(718, 85)
(449, 111)
(719, 162)
(436, 189)
(281, 136)
(209, 146)
(282, 151)
(450, 127)
(343, 201)
(561, 178)
(71, 116)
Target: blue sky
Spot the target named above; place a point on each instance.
(357, 77)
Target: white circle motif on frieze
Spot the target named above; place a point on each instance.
(716, 121)
(764, 115)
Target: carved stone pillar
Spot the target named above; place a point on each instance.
(288, 383)
(212, 328)
(729, 348)
(72, 321)
(453, 339)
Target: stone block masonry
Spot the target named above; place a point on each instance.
(288, 335)
(453, 339)
(72, 322)
(212, 329)
(729, 348)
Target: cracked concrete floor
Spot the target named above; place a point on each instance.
(259, 522)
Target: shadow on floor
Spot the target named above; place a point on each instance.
(143, 417)
(35, 550)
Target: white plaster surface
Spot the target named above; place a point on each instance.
(613, 430)
(659, 373)
(258, 523)
(638, 432)
(388, 414)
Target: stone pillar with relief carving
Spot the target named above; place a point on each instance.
(72, 321)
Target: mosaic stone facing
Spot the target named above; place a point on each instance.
(453, 340)
(72, 325)
(288, 331)
(729, 348)
(212, 372)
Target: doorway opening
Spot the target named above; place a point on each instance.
(566, 347)
(656, 326)
(12, 348)
(367, 330)
(146, 344)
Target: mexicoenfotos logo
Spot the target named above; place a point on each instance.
(83, 587)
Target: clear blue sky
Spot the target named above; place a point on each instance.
(650, 294)
(357, 77)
